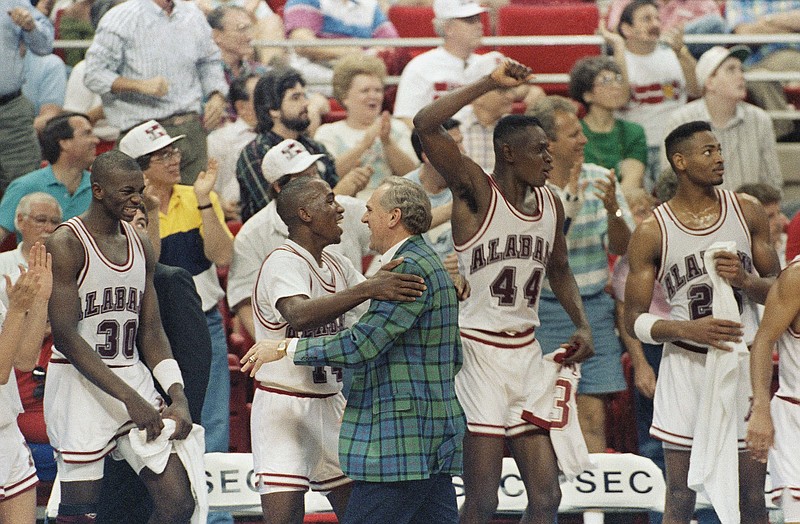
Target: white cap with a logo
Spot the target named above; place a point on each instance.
(713, 58)
(444, 9)
(286, 158)
(145, 139)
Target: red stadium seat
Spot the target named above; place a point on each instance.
(538, 20)
(240, 413)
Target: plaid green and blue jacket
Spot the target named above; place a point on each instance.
(402, 420)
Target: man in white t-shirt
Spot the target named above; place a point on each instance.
(452, 65)
(661, 76)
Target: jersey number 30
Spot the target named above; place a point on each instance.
(116, 340)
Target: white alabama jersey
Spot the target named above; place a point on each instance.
(682, 272)
(789, 359)
(110, 297)
(505, 263)
(288, 271)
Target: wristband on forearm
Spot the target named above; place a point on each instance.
(168, 373)
(643, 327)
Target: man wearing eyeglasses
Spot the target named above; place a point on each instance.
(37, 216)
(193, 236)
(68, 144)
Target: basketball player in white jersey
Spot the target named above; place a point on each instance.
(774, 426)
(505, 247)
(103, 311)
(304, 290)
(668, 247)
(23, 328)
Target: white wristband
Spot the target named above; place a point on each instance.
(643, 327)
(168, 373)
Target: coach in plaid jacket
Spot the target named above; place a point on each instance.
(401, 435)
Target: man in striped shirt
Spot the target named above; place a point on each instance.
(599, 223)
(155, 59)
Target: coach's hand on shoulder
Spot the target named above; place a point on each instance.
(713, 332)
(145, 416)
(399, 287)
(581, 340)
(179, 412)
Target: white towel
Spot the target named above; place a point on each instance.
(714, 461)
(155, 455)
(552, 406)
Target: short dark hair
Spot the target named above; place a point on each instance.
(630, 11)
(295, 194)
(416, 143)
(764, 193)
(681, 134)
(511, 125)
(57, 128)
(269, 93)
(217, 15)
(238, 89)
(111, 162)
(584, 73)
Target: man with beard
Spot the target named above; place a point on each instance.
(281, 107)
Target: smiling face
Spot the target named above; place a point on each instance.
(379, 221)
(364, 99)
(567, 148)
(120, 193)
(165, 167)
(325, 213)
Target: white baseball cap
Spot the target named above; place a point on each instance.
(714, 57)
(445, 9)
(286, 158)
(145, 139)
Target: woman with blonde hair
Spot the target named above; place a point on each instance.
(368, 136)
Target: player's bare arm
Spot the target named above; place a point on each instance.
(154, 346)
(765, 259)
(35, 295)
(465, 178)
(64, 309)
(563, 284)
(782, 308)
(644, 252)
(304, 313)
